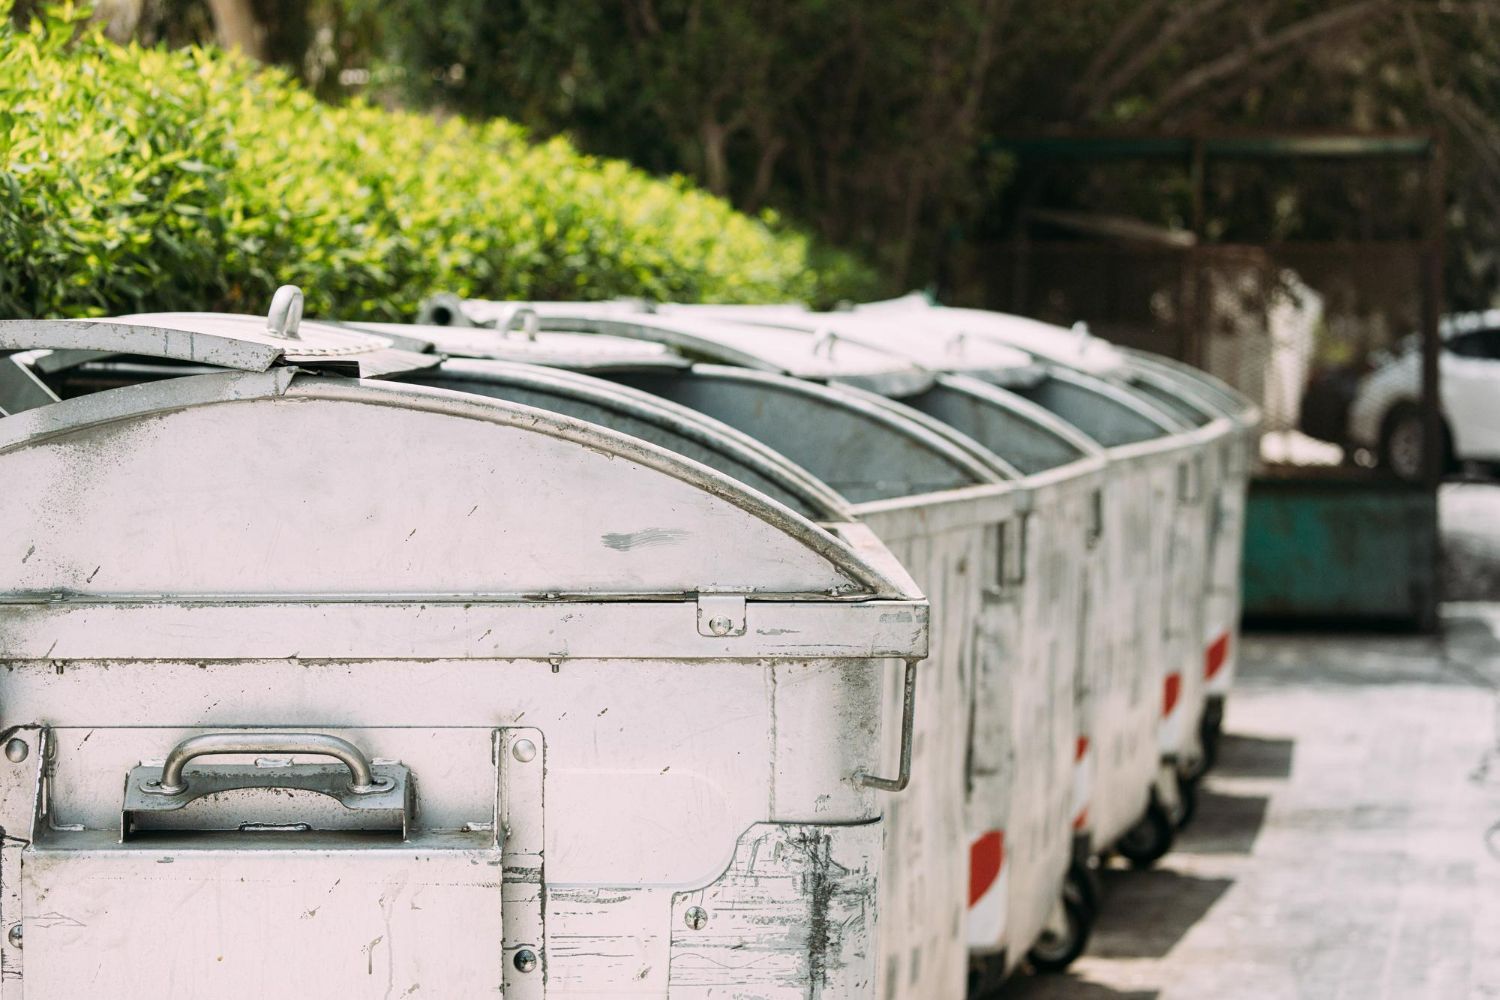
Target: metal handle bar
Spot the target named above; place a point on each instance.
(908, 724)
(362, 780)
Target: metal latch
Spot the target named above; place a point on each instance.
(721, 615)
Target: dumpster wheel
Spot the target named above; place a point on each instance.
(1150, 839)
(1187, 789)
(1054, 951)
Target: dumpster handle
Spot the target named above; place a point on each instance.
(362, 780)
(522, 319)
(908, 724)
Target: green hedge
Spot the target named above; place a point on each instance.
(142, 179)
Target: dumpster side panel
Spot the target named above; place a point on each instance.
(1044, 715)
(794, 915)
(1221, 653)
(627, 744)
(1127, 693)
(1188, 601)
(922, 950)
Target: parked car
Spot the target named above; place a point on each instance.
(1385, 416)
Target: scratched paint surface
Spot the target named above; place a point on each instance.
(797, 906)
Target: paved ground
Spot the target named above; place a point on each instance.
(1348, 846)
(1470, 517)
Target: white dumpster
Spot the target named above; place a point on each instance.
(516, 703)
(1221, 653)
(1161, 462)
(1020, 726)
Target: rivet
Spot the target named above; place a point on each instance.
(14, 936)
(16, 750)
(720, 626)
(696, 917)
(523, 751)
(525, 960)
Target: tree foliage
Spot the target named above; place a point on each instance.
(144, 178)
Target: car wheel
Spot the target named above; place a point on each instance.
(1401, 444)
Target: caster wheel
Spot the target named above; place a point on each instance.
(1083, 878)
(1211, 733)
(986, 976)
(1187, 790)
(1145, 843)
(1054, 951)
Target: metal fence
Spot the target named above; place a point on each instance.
(1300, 328)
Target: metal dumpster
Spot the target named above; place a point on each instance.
(519, 703)
(1151, 442)
(1229, 427)
(1239, 457)
(1014, 730)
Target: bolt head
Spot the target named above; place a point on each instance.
(14, 935)
(696, 918)
(720, 626)
(16, 750)
(525, 960)
(523, 751)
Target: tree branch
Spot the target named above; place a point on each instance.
(1301, 33)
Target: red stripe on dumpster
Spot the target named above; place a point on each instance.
(1083, 748)
(986, 855)
(1173, 692)
(1081, 820)
(1217, 656)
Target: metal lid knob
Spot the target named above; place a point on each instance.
(285, 315)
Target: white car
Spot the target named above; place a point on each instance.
(1385, 417)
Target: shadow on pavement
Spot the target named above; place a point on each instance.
(1225, 824)
(1024, 986)
(1145, 914)
(1253, 757)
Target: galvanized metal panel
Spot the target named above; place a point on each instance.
(861, 451)
(678, 429)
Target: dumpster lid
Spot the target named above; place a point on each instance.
(218, 340)
(1209, 389)
(1073, 348)
(209, 488)
(959, 351)
(822, 357)
(690, 432)
(520, 339)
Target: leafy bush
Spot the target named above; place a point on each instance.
(141, 179)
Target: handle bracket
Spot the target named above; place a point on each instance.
(380, 793)
(908, 725)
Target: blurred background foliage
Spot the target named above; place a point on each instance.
(151, 178)
(871, 124)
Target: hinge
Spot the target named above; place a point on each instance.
(721, 615)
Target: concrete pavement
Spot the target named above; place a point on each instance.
(1347, 846)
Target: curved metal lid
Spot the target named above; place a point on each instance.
(652, 418)
(1209, 389)
(1075, 348)
(214, 488)
(861, 444)
(822, 358)
(520, 339)
(908, 338)
(219, 340)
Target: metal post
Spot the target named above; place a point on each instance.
(1432, 307)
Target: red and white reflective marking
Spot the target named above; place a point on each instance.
(1171, 718)
(1083, 772)
(988, 887)
(1215, 657)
